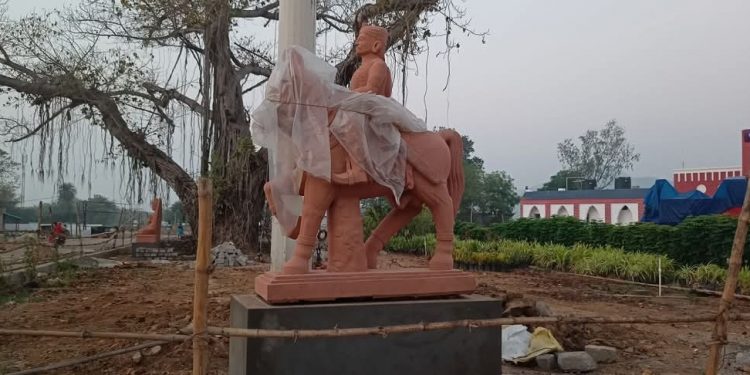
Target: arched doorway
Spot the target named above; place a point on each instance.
(562, 211)
(593, 214)
(625, 216)
(534, 213)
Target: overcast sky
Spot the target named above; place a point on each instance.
(674, 73)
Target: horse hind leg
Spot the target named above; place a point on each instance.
(396, 219)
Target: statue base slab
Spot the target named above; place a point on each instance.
(329, 286)
(473, 351)
(146, 238)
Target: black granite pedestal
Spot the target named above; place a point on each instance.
(473, 351)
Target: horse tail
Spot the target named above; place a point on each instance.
(456, 174)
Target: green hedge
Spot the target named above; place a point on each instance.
(697, 240)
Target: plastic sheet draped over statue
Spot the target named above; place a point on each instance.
(292, 123)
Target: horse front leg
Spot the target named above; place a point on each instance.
(318, 197)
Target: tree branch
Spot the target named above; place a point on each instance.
(133, 143)
(176, 95)
(45, 122)
(396, 31)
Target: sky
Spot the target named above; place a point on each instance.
(674, 73)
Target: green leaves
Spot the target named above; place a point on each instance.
(601, 155)
(697, 240)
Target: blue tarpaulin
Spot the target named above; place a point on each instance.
(664, 205)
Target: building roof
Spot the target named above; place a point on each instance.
(14, 217)
(586, 194)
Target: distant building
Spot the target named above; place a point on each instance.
(625, 205)
(707, 180)
(618, 206)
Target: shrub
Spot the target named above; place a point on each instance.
(697, 240)
(423, 244)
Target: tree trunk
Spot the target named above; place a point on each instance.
(238, 171)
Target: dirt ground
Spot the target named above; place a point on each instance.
(158, 298)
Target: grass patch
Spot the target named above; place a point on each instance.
(604, 261)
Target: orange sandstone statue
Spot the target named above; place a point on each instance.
(151, 233)
(362, 144)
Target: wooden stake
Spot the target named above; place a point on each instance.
(78, 361)
(39, 219)
(719, 336)
(120, 230)
(200, 304)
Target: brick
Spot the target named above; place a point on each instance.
(546, 362)
(576, 362)
(602, 354)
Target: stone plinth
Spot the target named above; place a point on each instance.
(329, 286)
(473, 351)
(152, 251)
(147, 238)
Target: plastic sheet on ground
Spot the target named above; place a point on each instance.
(521, 346)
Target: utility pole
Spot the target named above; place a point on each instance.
(39, 219)
(296, 27)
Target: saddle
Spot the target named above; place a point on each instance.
(420, 146)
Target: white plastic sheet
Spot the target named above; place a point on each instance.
(516, 339)
(292, 123)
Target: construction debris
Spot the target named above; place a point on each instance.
(227, 255)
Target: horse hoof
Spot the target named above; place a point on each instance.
(441, 262)
(296, 266)
(372, 256)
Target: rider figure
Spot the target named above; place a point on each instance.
(373, 76)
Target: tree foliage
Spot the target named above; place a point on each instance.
(101, 210)
(8, 177)
(65, 207)
(488, 197)
(564, 179)
(601, 155)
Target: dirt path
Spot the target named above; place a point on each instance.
(158, 298)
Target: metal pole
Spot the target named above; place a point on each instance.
(296, 27)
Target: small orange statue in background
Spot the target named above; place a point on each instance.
(151, 233)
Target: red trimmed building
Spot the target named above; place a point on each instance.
(624, 206)
(707, 180)
(618, 206)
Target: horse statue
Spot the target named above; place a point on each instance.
(362, 147)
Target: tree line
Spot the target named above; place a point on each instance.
(66, 207)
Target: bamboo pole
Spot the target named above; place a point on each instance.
(482, 323)
(95, 334)
(380, 331)
(200, 299)
(78, 361)
(719, 336)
